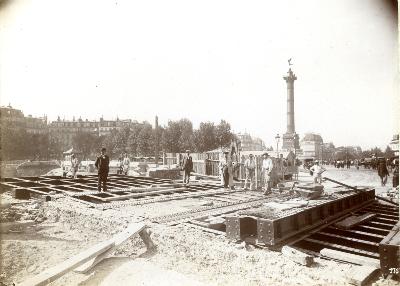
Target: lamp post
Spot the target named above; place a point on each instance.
(277, 137)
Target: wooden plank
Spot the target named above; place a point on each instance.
(352, 221)
(360, 275)
(350, 257)
(59, 270)
(144, 235)
(297, 256)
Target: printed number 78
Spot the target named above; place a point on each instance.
(394, 270)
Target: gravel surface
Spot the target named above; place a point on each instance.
(184, 256)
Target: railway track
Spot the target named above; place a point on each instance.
(219, 209)
(362, 239)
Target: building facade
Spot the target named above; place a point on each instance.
(15, 119)
(311, 146)
(249, 143)
(394, 144)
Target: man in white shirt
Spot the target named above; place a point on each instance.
(250, 167)
(125, 164)
(267, 167)
(74, 166)
(317, 172)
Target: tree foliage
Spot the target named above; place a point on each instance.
(137, 140)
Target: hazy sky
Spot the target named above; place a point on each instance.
(207, 60)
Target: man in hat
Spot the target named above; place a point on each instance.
(267, 167)
(187, 167)
(250, 167)
(102, 164)
(317, 171)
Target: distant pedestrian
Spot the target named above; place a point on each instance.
(282, 167)
(250, 167)
(382, 172)
(125, 164)
(317, 172)
(74, 166)
(267, 167)
(102, 164)
(348, 163)
(396, 173)
(357, 164)
(187, 167)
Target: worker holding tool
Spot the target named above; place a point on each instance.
(125, 164)
(317, 171)
(250, 167)
(267, 167)
(102, 164)
(187, 167)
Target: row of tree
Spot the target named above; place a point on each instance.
(17, 144)
(350, 154)
(139, 139)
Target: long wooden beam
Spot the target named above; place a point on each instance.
(59, 270)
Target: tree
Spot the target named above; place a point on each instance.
(86, 142)
(224, 134)
(186, 138)
(389, 153)
(205, 137)
(132, 142)
(145, 142)
(171, 138)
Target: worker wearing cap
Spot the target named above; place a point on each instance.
(102, 164)
(317, 171)
(267, 167)
(187, 167)
(250, 167)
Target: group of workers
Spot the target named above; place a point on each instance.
(227, 166)
(268, 170)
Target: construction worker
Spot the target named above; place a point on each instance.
(267, 167)
(382, 171)
(223, 169)
(282, 167)
(187, 167)
(317, 171)
(74, 166)
(396, 173)
(102, 164)
(250, 167)
(125, 164)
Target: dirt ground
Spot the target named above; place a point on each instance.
(184, 255)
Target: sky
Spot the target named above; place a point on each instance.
(206, 61)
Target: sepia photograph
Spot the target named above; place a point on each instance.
(204, 143)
